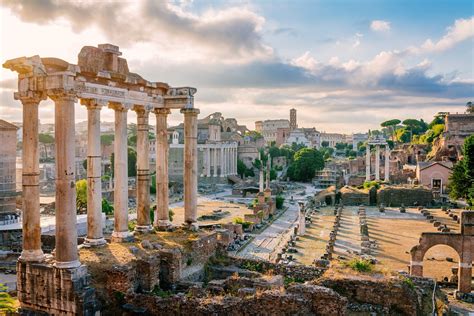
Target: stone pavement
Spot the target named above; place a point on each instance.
(263, 246)
(348, 239)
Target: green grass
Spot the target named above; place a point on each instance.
(360, 265)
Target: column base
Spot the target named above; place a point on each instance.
(31, 255)
(143, 229)
(194, 227)
(163, 225)
(122, 236)
(67, 264)
(94, 242)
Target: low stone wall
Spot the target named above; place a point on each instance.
(390, 296)
(396, 196)
(296, 300)
(297, 272)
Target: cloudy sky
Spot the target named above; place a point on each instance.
(344, 65)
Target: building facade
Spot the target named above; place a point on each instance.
(8, 139)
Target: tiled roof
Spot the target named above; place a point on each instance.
(5, 126)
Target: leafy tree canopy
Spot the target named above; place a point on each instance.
(46, 138)
(305, 164)
(390, 123)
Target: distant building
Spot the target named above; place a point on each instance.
(269, 128)
(298, 136)
(332, 138)
(293, 121)
(357, 138)
(457, 128)
(434, 175)
(8, 139)
(218, 141)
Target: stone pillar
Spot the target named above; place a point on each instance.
(66, 215)
(387, 163)
(215, 161)
(162, 220)
(222, 161)
(120, 232)
(190, 166)
(261, 180)
(377, 162)
(236, 158)
(143, 171)
(95, 236)
(208, 162)
(465, 266)
(302, 220)
(30, 183)
(416, 268)
(367, 163)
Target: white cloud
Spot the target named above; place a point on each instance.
(460, 31)
(380, 26)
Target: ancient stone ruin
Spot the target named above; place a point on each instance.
(100, 78)
(462, 242)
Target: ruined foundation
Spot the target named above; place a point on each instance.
(47, 289)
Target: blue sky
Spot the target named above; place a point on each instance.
(345, 65)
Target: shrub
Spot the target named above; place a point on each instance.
(279, 200)
(370, 184)
(157, 291)
(7, 303)
(107, 208)
(360, 265)
(408, 282)
(171, 214)
(245, 224)
(81, 194)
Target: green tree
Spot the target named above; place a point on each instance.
(107, 139)
(81, 192)
(403, 135)
(132, 162)
(461, 181)
(241, 168)
(470, 107)
(325, 143)
(45, 138)
(390, 124)
(305, 164)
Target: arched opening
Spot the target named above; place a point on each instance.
(439, 262)
(229, 130)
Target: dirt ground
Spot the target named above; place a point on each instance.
(396, 233)
(207, 207)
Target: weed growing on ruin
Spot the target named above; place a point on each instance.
(360, 265)
(241, 221)
(289, 280)
(157, 291)
(408, 282)
(253, 266)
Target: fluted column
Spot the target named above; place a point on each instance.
(377, 162)
(66, 216)
(208, 162)
(162, 204)
(221, 149)
(215, 161)
(387, 163)
(143, 171)
(120, 232)
(190, 166)
(367, 163)
(95, 236)
(30, 183)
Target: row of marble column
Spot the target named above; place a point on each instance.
(66, 232)
(224, 157)
(377, 163)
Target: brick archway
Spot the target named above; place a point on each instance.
(462, 243)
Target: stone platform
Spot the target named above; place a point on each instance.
(45, 289)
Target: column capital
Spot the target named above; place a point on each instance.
(161, 111)
(93, 104)
(190, 111)
(31, 97)
(121, 107)
(141, 110)
(62, 95)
